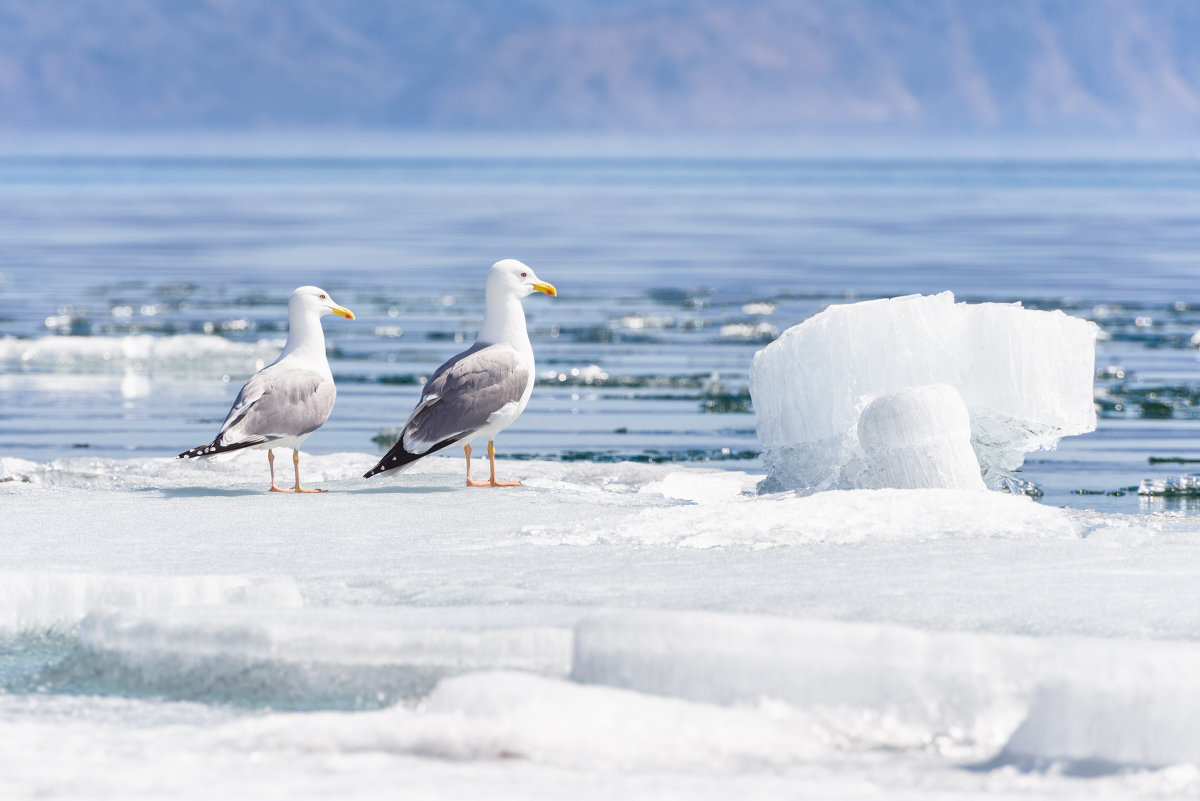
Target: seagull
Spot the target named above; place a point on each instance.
(288, 399)
(481, 391)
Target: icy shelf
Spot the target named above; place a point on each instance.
(625, 628)
(186, 353)
(1024, 376)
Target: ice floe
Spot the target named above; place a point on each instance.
(183, 353)
(634, 628)
(32, 601)
(317, 658)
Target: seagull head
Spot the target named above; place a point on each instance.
(512, 277)
(317, 300)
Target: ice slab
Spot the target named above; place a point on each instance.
(1083, 703)
(903, 607)
(834, 517)
(612, 729)
(186, 353)
(605, 744)
(248, 468)
(875, 686)
(308, 658)
(1025, 376)
(507, 715)
(604, 535)
(31, 602)
(517, 750)
(1101, 708)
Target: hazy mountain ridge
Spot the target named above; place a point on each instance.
(1052, 66)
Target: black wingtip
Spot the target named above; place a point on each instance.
(387, 463)
(396, 458)
(214, 447)
(377, 469)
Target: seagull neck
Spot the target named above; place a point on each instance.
(306, 337)
(504, 321)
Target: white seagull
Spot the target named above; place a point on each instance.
(288, 399)
(481, 391)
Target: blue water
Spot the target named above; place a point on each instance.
(663, 264)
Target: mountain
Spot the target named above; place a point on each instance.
(811, 66)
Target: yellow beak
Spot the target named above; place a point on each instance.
(340, 312)
(547, 288)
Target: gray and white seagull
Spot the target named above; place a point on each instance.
(288, 399)
(481, 391)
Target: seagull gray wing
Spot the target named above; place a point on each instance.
(462, 396)
(278, 402)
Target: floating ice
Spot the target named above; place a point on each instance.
(676, 636)
(1089, 704)
(186, 353)
(1025, 377)
(1171, 487)
(504, 715)
(885, 686)
(288, 657)
(723, 519)
(1102, 708)
(41, 601)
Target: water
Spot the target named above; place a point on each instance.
(672, 272)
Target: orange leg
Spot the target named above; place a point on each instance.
(296, 464)
(470, 482)
(491, 482)
(492, 462)
(271, 461)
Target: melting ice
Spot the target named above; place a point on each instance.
(837, 394)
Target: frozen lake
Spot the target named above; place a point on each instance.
(628, 629)
(633, 621)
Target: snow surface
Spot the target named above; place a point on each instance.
(606, 630)
(1026, 377)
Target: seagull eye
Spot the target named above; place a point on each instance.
(524, 275)
(322, 297)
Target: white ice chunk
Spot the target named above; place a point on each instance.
(919, 438)
(187, 353)
(880, 686)
(467, 638)
(41, 601)
(843, 516)
(1102, 707)
(314, 657)
(612, 729)
(699, 486)
(511, 716)
(1025, 376)
(1086, 703)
